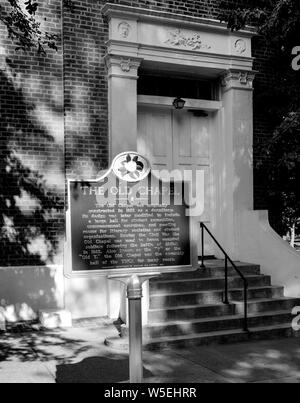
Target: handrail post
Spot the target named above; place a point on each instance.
(202, 245)
(226, 300)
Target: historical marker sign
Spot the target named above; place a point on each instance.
(129, 220)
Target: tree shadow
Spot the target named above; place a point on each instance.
(111, 369)
(74, 357)
(268, 363)
(39, 346)
(30, 211)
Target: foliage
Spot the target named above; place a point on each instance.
(19, 18)
(284, 173)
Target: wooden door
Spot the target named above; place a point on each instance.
(178, 140)
(191, 152)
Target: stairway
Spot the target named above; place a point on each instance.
(186, 309)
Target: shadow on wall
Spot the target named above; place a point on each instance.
(24, 291)
(29, 210)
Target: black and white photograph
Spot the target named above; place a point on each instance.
(149, 194)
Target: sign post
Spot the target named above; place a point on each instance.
(134, 286)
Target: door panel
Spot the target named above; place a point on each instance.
(155, 136)
(178, 140)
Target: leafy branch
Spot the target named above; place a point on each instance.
(19, 18)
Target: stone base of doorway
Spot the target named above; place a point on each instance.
(55, 319)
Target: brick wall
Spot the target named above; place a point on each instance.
(86, 109)
(31, 149)
(54, 118)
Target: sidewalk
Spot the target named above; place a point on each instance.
(78, 355)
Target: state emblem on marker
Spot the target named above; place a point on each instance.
(131, 167)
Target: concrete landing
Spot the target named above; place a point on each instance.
(78, 355)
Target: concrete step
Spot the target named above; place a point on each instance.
(160, 301)
(265, 305)
(216, 310)
(204, 284)
(190, 312)
(185, 327)
(223, 337)
(219, 271)
(212, 270)
(186, 308)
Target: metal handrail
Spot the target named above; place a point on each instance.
(227, 259)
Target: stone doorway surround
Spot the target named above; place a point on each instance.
(161, 41)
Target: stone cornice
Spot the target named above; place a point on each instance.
(142, 14)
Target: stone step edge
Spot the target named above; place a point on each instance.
(232, 303)
(220, 333)
(220, 318)
(217, 267)
(177, 294)
(217, 263)
(192, 280)
(263, 300)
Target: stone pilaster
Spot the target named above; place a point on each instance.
(122, 85)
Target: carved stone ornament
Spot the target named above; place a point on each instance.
(124, 29)
(125, 65)
(240, 46)
(244, 78)
(191, 42)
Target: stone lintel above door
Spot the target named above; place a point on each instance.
(167, 38)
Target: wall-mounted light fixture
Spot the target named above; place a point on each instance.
(179, 103)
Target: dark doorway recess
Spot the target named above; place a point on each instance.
(168, 86)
